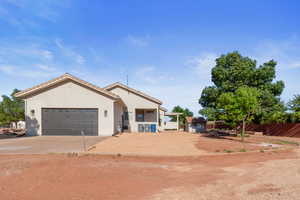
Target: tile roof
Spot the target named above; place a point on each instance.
(118, 84)
(60, 79)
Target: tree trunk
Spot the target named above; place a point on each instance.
(243, 130)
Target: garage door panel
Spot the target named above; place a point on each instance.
(69, 121)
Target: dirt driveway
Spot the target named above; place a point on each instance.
(149, 144)
(46, 144)
(187, 144)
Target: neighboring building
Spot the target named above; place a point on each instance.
(195, 125)
(17, 125)
(68, 105)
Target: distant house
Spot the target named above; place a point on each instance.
(68, 105)
(195, 125)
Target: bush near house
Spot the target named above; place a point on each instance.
(185, 112)
(11, 109)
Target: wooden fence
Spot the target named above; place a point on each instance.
(276, 129)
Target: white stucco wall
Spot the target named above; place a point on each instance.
(70, 95)
(162, 116)
(171, 125)
(133, 101)
(118, 111)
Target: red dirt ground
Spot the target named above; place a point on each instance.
(252, 143)
(91, 177)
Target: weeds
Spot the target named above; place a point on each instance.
(287, 142)
(246, 135)
(72, 154)
(228, 151)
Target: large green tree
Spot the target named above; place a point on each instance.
(294, 104)
(239, 106)
(185, 112)
(294, 108)
(210, 113)
(11, 109)
(233, 71)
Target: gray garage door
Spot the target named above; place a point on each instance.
(58, 121)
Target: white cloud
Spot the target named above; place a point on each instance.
(80, 59)
(152, 75)
(143, 73)
(182, 93)
(46, 68)
(295, 64)
(58, 43)
(35, 51)
(7, 69)
(27, 14)
(203, 63)
(28, 51)
(70, 52)
(285, 52)
(23, 71)
(138, 41)
(47, 54)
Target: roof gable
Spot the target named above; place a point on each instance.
(139, 93)
(163, 109)
(60, 79)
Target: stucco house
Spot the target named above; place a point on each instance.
(68, 105)
(195, 124)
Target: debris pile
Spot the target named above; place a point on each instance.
(12, 132)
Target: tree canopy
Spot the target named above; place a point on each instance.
(239, 106)
(210, 113)
(233, 71)
(294, 104)
(11, 109)
(185, 113)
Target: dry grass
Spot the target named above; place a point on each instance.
(186, 144)
(161, 144)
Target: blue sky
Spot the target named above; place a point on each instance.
(166, 47)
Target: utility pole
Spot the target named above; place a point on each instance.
(127, 81)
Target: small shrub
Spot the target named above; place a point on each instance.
(243, 150)
(262, 151)
(246, 135)
(72, 154)
(228, 151)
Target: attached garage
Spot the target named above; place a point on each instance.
(68, 105)
(69, 121)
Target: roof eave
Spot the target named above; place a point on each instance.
(117, 84)
(25, 93)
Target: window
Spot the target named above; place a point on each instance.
(105, 113)
(32, 112)
(126, 116)
(139, 115)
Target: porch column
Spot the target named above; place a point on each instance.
(157, 119)
(177, 122)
